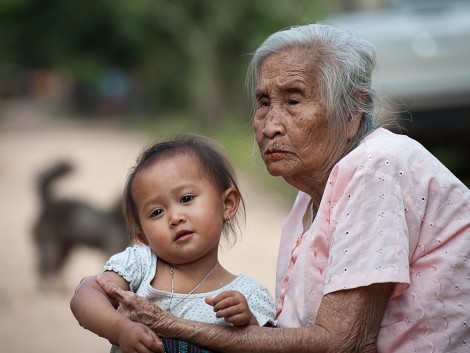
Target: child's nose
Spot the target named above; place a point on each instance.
(177, 218)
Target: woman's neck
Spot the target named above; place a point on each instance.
(313, 188)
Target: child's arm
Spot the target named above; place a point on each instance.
(96, 312)
(233, 307)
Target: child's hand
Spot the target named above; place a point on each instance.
(136, 337)
(233, 307)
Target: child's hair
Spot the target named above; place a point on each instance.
(213, 163)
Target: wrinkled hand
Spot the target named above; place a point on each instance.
(134, 307)
(233, 307)
(135, 337)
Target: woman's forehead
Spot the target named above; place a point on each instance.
(293, 57)
(290, 69)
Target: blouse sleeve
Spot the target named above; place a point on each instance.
(369, 239)
(132, 264)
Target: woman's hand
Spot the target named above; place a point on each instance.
(96, 311)
(233, 307)
(135, 307)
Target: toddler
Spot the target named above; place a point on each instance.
(179, 199)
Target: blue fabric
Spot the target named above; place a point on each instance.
(176, 346)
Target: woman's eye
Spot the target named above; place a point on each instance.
(186, 198)
(293, 101)
(263, 102)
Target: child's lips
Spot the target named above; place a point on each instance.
(183, 235)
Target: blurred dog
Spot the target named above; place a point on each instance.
(65, 224)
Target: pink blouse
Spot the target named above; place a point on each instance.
(391, 212)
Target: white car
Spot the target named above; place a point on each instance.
(423, 49)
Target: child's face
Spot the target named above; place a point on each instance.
(180, 210)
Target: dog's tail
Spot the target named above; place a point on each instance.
(47, 177)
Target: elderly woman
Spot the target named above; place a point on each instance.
(375, 254)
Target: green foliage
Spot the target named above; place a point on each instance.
(181, 56)
(186, 59)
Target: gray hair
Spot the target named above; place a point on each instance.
(343, 64)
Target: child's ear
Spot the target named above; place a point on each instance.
(141, 237)
(231, 199)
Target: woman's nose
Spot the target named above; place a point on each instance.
(272, 124)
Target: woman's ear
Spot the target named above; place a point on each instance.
(231, 200)
(355, 120)
(141, 237)
(353, 125)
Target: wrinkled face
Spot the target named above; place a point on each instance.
(289, 122)
(180, 210)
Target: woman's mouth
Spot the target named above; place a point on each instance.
(274, 155)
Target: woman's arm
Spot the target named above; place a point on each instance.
(96, 311)
(347, 321)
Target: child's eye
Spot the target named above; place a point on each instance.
(186, 198)
(155, 213)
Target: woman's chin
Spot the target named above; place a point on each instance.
(276, 172)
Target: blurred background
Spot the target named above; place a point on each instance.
(93, 83)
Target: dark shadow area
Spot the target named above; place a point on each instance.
(445, 132)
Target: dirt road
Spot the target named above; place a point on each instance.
(36, 321)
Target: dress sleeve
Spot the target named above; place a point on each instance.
(132, 264)
(369, 238)
(260, 302)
